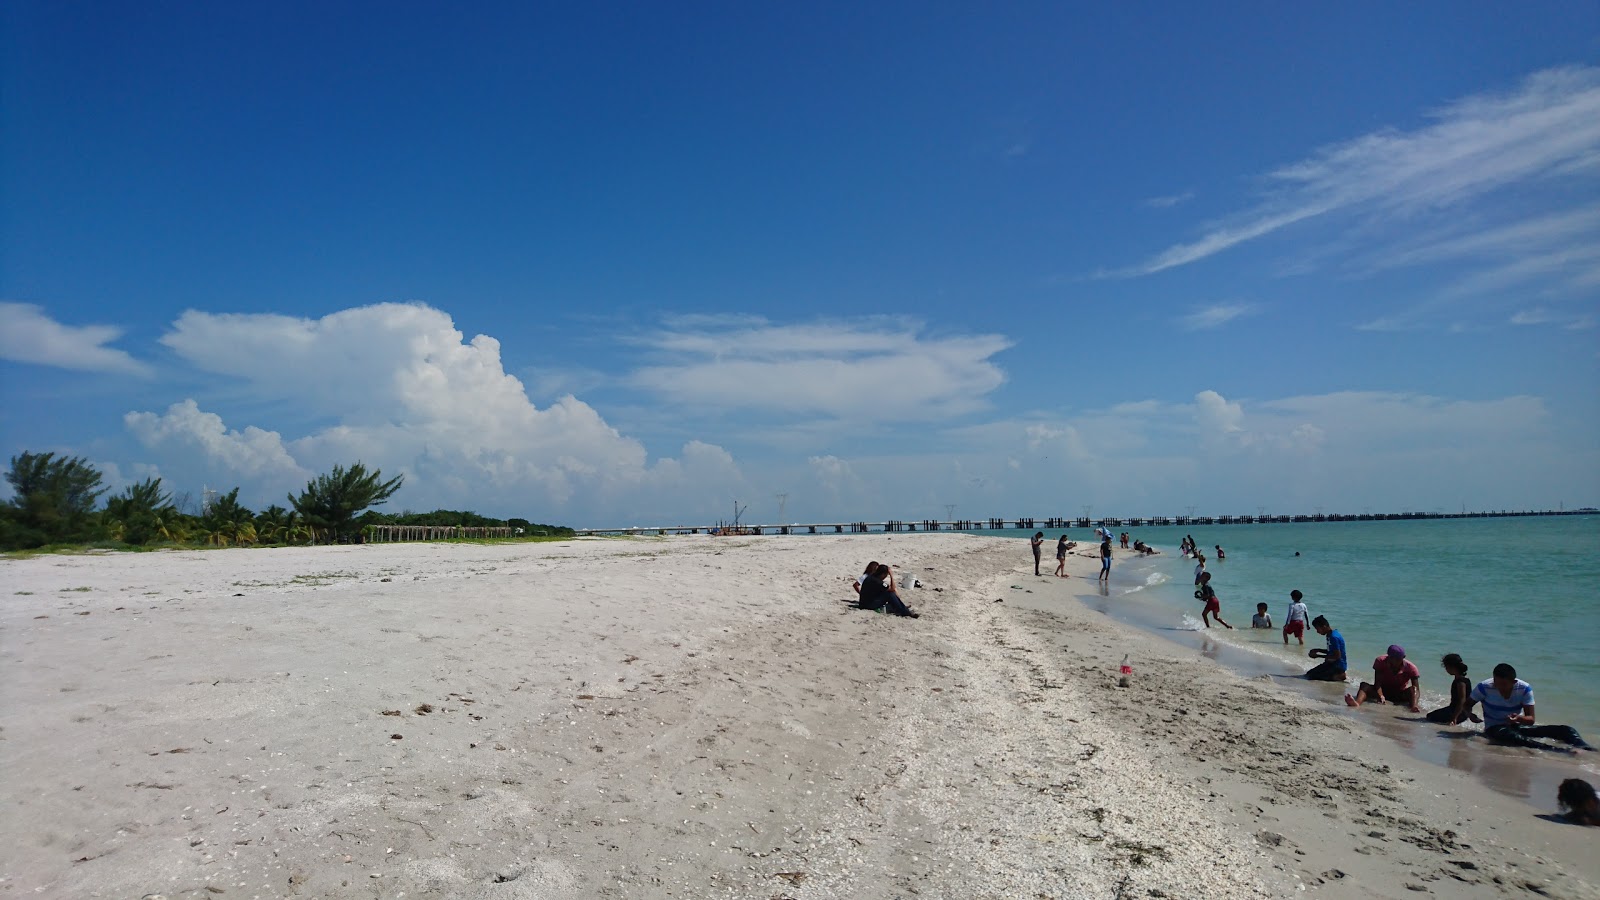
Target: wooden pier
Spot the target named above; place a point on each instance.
(1058, 522)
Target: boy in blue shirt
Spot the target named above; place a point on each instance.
(1334, 659)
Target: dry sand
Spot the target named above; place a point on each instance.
(685, 717)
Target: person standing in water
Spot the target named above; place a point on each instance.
(1295, 622)
(1213, 605)
(1038, 548)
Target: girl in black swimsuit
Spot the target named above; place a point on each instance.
(1460, 689)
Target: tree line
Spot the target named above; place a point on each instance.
(57, 501)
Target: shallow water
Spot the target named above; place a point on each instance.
(1525, 591)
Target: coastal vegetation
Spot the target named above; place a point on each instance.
(55, 503)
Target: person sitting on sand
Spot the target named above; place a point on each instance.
(1038, 548)
(1061, 556)
(878, 591)
(1395, 679)
(1460, 687)
(1508, 717)
(1578, 801)
(1213, 605)
(865, 573)
(1334, 661)
(1295, 621)
(1261, 619)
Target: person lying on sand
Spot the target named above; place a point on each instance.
(1334, 661)
(1460, 687)
(878, 591)
(1578, 802)
(1508, 717)
(1395, 679)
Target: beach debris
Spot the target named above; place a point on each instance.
(630, 658)
(423, 709)
(1125, 671)
(392, 712)
(395, 737)
(85, 613)
(791, 877)
(585, 696)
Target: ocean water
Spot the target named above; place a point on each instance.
(1524, 591)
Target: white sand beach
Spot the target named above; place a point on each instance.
(685, 717)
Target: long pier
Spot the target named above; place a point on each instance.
(894, 526)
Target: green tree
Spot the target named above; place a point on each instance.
(331, 502)
(54, 501)
(227, 521)
(142, 513)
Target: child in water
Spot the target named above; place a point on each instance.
(1261, 619)
(1460, 688)
(1213, 605)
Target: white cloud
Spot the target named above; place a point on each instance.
(1544, 129)
(1215, 316)
(27, 335)
(406, 392)
(885, 371)
(1170, 200)
(250, 454)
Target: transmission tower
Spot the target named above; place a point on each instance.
(949, 512)
(783, 500)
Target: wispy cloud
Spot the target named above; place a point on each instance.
(819, 368)
(1547, 127)
(1169, 200)
(27, 335)
(1215, 316)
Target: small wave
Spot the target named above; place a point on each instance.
(1133, 590)
(1190, 623)
(1155, 578)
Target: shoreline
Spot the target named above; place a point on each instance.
(684, 717)
(1527, 775)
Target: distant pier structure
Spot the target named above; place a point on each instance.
(1056, 522)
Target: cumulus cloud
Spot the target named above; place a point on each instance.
(1542, 135)
(28, 335)
(847, 370)
(251, 453)
(404, 390)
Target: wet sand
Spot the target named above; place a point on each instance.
(689, 716)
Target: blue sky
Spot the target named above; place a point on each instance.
(622, 264)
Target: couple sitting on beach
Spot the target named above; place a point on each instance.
(877, 590)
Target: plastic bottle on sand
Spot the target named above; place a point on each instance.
(1126, 672)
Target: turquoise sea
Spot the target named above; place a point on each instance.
(1524, 591)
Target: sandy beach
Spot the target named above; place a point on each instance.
(686, 717)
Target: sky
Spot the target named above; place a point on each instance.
(631, 264)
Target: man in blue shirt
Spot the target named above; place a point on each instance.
(1334, 660)
(1508, 714)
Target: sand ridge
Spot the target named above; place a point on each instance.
(690, 716)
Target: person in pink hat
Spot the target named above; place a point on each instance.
(1395, 679)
